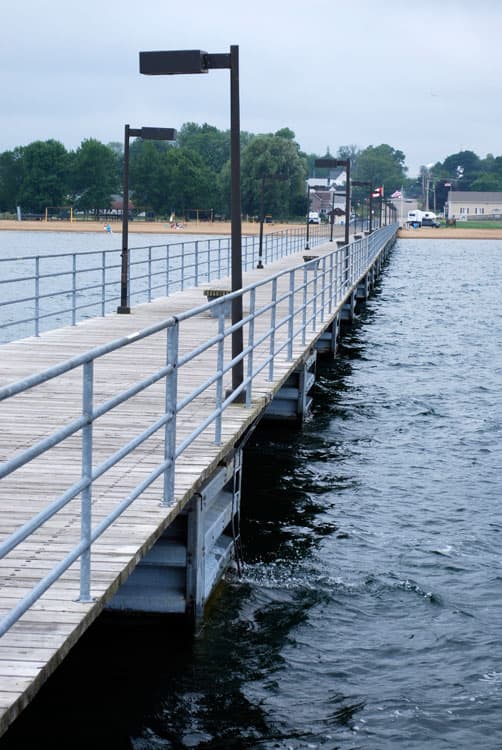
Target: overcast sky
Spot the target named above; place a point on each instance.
(424, 77)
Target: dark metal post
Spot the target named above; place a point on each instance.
(124, 290)
(236, 221)
(262, 219)
(332, 218)
(371, 209)
(347, 201)
(308, 218)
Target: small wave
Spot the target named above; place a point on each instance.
(443, 551)
(408, 585)
(493, 677)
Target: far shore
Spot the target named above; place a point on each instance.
(224, 228)
(450, 233)
(141, 227)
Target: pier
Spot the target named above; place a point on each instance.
(122, 442)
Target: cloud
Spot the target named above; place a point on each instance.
(421, 78)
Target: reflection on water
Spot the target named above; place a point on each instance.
(368, 613)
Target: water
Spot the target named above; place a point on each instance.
(14, 243)
(368, 613)
(95, 269)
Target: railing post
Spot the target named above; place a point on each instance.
(171, 399)
(182, 266)
(323, 290)
(168, 266)
(220, 362)
(291, 313)
(74, 290)
(330, 295)
(314, 301)
(149, 274)
(103, 283)
(37, 296)
(219, 259)
(305, 305)
(196, 263)
(86, 496)
(273, 318)
(252, 306)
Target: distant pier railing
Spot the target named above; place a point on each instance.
(41, 292)
(184, 383)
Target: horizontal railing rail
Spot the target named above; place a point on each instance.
(183, 395)
(40, 292)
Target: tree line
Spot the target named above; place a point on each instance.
(194, 173)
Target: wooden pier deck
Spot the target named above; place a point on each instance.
(33, 648)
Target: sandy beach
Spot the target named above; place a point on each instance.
(223, 228)
(143, 227)
(450, 233)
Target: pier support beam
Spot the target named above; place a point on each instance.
(349, 308)
(327, 343)
(363, 288)
(293, 400)
(181, 570)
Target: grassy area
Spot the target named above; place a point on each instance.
(477, 225)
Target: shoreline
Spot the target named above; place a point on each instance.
(147, 227)
(449, 233)
(224, 228)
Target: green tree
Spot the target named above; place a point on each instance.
(11, 166)
(95, 175)
(464, 165)
(381, 165)
(212, 145)
(148, 176)
(484, 182)
(44, 172)
(190, 183)
(273, 167)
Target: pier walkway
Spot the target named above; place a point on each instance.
(121, 448)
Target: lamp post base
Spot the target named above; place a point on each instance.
(123, 310)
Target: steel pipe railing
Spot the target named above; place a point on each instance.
(91, 280)
(281, 310)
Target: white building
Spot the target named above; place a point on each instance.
(466, 205)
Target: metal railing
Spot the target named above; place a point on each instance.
(181, 398)
(41, 292)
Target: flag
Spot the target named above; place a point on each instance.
(396, 194)
(377, 192)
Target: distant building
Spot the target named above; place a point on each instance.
(117, 204)
(327, 193)
(466, 205)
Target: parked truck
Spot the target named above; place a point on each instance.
(417, 218)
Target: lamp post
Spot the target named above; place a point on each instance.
(262, 212)
(332, 164)
(181, 62)
(308, 218)
(332, 218)
(358, 183)
(152, 134)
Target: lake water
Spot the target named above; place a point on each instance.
(368, 614)
(94, 260)
(15, 243)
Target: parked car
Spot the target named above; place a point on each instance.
(314, 217)
(426, 222)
